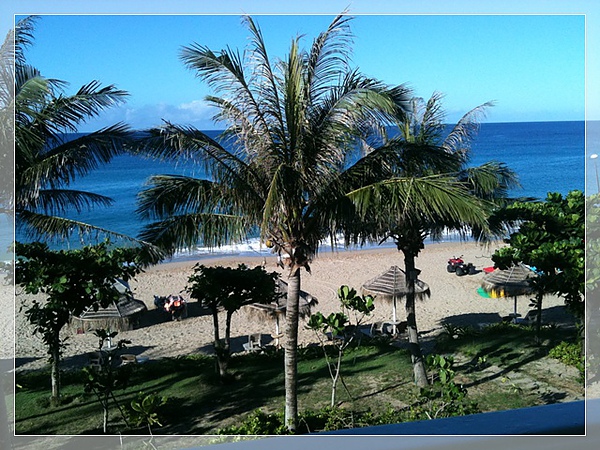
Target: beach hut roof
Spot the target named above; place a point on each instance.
(392, 283)
(125, 307)
(272, 309)
(509, 282)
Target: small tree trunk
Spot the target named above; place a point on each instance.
(219, 347)
(215, 315)
(228, 330)
(291, 352)
(105, 417)
(336, 377)
(538, 319)
(224, 352)
(55, 370)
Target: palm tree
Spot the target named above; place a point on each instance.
(7, 73)
(453, 197)
(283, 163)
(49, 154)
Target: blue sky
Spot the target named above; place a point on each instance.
(531, 62)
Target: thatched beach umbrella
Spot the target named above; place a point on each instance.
(392, 285)
(275, 310)
(511, 282)
(120, 315)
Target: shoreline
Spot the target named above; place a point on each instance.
(221, 258)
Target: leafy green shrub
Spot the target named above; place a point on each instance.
(443, 365)
(432, 404)
(499, 328)
(569, 354)
(456, 331)
(258, 423)
(143, 410)
(443, 398)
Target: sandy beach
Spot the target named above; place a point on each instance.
(453, 299)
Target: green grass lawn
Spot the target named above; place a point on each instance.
(378, 377)
(504, 368)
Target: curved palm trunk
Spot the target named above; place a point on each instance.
(420, 374)
(291, 351)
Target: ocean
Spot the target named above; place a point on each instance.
(547, 156)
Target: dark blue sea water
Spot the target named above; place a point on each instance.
(548, 157)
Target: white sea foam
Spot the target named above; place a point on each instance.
(254, 247)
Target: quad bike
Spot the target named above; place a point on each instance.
(175, 305)
(458, 265)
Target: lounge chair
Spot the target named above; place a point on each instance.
(128, 359)
(529, 319)
(254, 343)
(378, 329)
(401, 327)
(96, 359)
(277, 339)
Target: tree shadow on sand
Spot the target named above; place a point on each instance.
(237, 344)
(558, 315)
(472, 319)
(156, 316)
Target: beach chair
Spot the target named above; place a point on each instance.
(401, 327)
(529, 319)
(350, 332)
(277, 339)
(128, 359)
(254, 343)
(378, 329)
(96, 359)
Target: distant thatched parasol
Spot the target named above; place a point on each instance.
(275, 310)
(392, 285)
(118, 316)
(511, 282)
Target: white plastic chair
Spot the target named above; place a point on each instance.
(254, 343)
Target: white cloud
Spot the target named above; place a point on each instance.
(195, 113)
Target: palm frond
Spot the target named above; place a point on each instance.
(32, 93)
(465, 131)
(58, 229)
(66, 113)
(294, 103)
(23, 37)
(492, 181)
(53, 201)
(281, 212)
(7, 71)
(438, 199)
(174, 142)
(360, 100)
(242, 134)
(224, 72)
(63, 162)
(328, 58)
(266, 82)
(428, 120)
(190, 230)
(175, 194)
